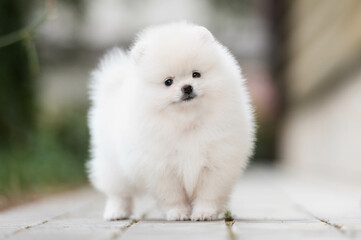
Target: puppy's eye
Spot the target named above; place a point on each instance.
(196, 75)
(168, 82)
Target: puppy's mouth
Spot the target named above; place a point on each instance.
(188, 97)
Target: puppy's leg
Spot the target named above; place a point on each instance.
(216, 182)
(170, 192)
(211, 195)
(118, 206)
(106, 176)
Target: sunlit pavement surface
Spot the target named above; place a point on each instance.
(267, 204)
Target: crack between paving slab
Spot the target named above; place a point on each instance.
(338, 227)
(123, 229)
(24, 228)
(269, 220)
(231, 234)
(229, 221)
(27, 227)
(42, 222)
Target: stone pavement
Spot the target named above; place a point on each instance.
(266, 204)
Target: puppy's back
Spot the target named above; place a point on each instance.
(110, 73)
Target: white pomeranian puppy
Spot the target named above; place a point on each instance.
(171, 116)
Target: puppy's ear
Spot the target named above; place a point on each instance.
(205, 34)
(138, 51)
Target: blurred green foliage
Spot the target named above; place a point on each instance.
(233, 7)
(54, 157)
(266, 140)
(17, 105)
(37, 153)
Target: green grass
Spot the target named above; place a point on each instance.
(228, 218)
(53, 158)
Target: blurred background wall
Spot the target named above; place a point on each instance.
(321, 74)
(73, 39)
(301, 58)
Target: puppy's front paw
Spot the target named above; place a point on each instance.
(178, 214)
(115, 211)
(204, 213)
(115, 215)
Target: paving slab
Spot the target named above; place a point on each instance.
(286, 230)
(162, 230)
(266, 204)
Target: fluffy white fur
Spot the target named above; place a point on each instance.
(188, 154)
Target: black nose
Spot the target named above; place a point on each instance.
(187, 89)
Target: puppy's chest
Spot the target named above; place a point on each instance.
(183, 153)
(188, 159)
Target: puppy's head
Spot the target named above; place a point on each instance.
(178, 66)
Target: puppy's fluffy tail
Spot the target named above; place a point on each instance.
(110, 73)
